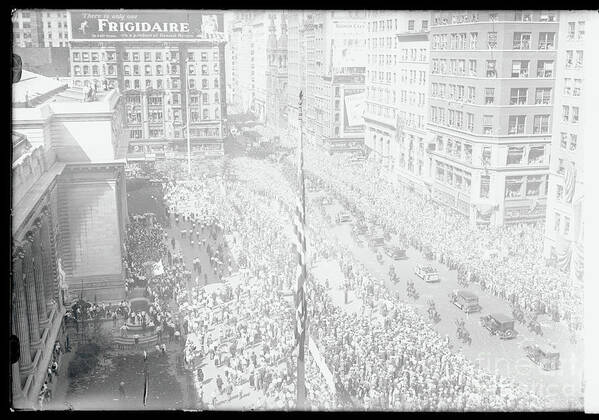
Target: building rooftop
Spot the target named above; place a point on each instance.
(34, 89)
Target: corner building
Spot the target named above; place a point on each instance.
(492, 76)
(166, 78)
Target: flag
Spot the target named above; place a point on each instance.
(569, 181)
(564, 255)
(146, 379)
(299, 220)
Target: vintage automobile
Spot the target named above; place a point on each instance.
(359, 229)
(376, 241)
(499, 324)
(395, 252)
(343, 217)
(427, 273)
(465, 300)
(543, 356)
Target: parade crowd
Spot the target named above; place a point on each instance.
(395, 360)
(505, 260)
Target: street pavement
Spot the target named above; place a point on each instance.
(505, 357)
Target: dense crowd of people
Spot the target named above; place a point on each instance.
(396, 361)
(505, 260)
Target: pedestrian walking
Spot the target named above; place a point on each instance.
(122, 391)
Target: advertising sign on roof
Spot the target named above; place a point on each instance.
(143, 24)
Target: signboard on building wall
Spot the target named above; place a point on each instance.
(143, 24)
(353, 119)
(347, 46)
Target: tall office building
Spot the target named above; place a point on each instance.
(397, 92)
(297, 71)
(167, 65)
(40, 28)
(491, 105)
(573, 125)
(276, 76)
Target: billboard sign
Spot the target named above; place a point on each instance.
(354, 109)
(143, 24)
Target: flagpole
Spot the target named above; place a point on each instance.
(300, 295)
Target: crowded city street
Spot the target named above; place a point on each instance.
(231, 225)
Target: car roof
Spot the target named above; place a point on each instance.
(466, 294)
(499, 317)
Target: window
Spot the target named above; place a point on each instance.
(491, 70)
(192, 69)
(85, 70)
(513, 186)
(533, 185)
(546, 40)
(487, 124)
(148, 83)
(521, 41)
(147, 56)
(569, 58)
(543, 96)
(547, 16)
(516, 124)
(518, 96)
(559, 192)
(489, 96)
(566, 225)
(77, 70)
(473, 40)
(136, 70)
(574, 114)
(470, 121)
(472, 67)
(573, 141)
(410, 25)
(565, 113)
(135, 56)
(158, 84)
(577, 87)
(148, 70)
(545, 68)
(567, 86)
(515, 155)
(158, 56)
(125, 56)
(580, 30)
(571, 30)
(564, 140)
(536, 155)
(561, 169)
(76, 56)
(85, 56)
(127, 84)
(471, 94)
(492, 40)
(204, 70)
(95, 70)
(192, 84)
(485, 182)
(158, 70)
(556, 223)
(425, 25)
(579, 57)
(136, 84)
(520, 68)
(540, 124)
(522, 16)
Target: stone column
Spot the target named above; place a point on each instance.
(29, 281)
(53, 257)
(38, 271)
(19, 310)
(47, 258)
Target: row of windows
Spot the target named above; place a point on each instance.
(574, 61)
(415, 76)
(454, 148)
(516, 123)
(570, 90)
(159, 69)
(156, 116)
(518, 96)
(419, 54)
(570, 117)
(572, 31)
(465, 41)
(390, 97)
(387, 25)
(520, 68)
(135, 56)
(525, 186)
(519, 16)
(519, 154)
(453, 176)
